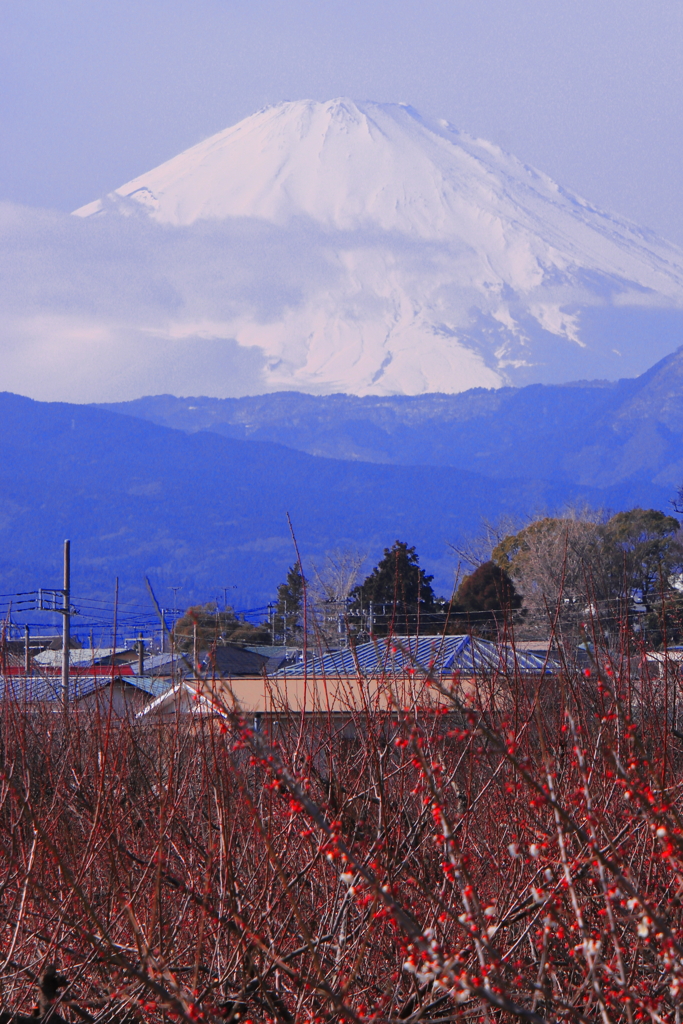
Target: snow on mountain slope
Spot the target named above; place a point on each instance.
(351, 166)
(450, 263)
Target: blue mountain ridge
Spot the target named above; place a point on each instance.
(594, 433)
(205, 511)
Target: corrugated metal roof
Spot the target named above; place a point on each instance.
(38, 688)
(443, 654)
(476, 655)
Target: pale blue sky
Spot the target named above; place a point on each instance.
(93, 93)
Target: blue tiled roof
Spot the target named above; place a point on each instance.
(447, 654)
(37, 688)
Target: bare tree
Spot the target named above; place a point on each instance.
(331, 584)
(477, 548)
(557, 566)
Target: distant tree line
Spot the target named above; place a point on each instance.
(626, 568)
(397, 596)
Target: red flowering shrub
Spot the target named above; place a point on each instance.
(505, 848)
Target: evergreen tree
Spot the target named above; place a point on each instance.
(396, 591)
(485, 597)
(487, 589)
(290, 606)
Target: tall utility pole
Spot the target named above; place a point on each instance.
(141, 655)
(175, 611)
(66, 625)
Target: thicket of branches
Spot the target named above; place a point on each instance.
(493, 849)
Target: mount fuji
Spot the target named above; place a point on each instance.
(362, 248)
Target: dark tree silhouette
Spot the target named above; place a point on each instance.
(396, 591)
(488, 588)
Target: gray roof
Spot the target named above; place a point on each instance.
(83, 656)
(158, 664)
(154, 686)
(231, 660)
(277, 656)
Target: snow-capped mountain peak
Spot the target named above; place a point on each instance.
(451, 263)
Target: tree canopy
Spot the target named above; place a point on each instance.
(212, 626)
(576, 563)
(644, 547)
